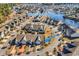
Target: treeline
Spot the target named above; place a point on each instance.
(5, 10)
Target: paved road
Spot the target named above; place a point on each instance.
(76, 53)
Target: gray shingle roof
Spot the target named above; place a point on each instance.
(19, 36)
(31, 37)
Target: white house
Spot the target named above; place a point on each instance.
(1, 33)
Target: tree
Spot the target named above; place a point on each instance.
(5, 10)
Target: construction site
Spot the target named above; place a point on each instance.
(41, 30)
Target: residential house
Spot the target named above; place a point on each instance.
(66, 30)
(7, 27)
(1, 33)
(12, 24)
(20, 39)
(32, 28)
